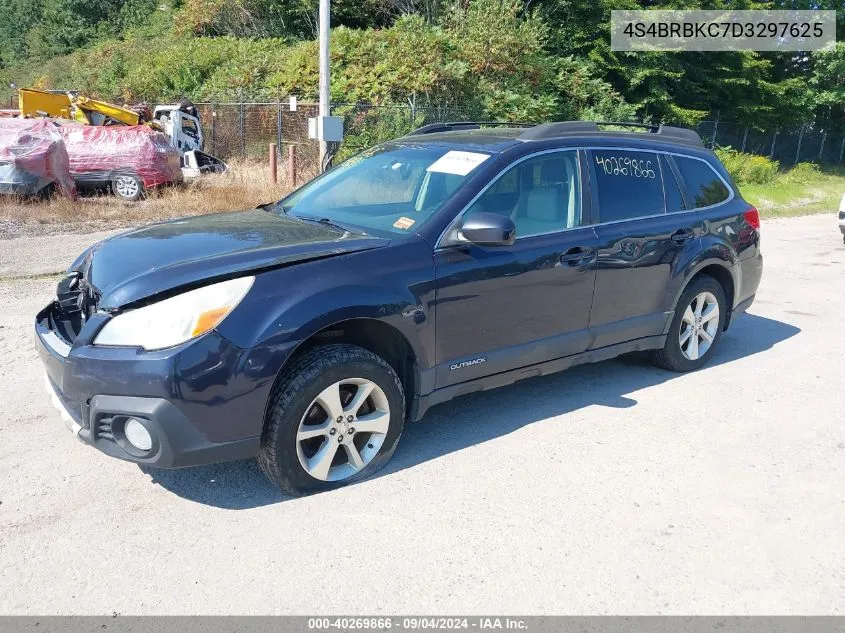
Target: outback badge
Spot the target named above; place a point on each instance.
(468, 363)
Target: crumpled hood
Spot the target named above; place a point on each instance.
(144, 262)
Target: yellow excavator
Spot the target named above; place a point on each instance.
(74, 106)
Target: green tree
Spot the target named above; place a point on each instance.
(19, 16)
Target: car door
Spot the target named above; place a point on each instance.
(504, 307)
(638, 242)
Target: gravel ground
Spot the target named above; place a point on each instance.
(12, 229)
(41, 255)
(612, 488)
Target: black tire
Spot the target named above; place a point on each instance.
(133, 193)
(46, 192)
(291, 399)
(671, 356)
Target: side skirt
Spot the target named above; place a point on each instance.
(494, 381)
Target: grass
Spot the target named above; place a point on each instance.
(245, 185)
(795, 192)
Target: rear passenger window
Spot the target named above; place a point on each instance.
(674, 200)
(702, 185)
(628, 184)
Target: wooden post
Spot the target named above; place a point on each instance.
(274, 178)
(292, 165)
(242, 127)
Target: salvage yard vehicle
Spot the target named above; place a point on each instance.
(181, 123)
(129, 160)
(33, 159)
(456, 259)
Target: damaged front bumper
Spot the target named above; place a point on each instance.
(194, 400)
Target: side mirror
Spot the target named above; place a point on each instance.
(489, 229)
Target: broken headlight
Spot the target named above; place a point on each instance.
(177, 319)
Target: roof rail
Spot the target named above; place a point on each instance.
(431, 128)
(563, 128)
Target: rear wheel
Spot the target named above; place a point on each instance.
(335, 417)
(127, 187)
(696, 327)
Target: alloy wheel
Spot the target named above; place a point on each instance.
(699, 326)
(126, 186)
(343, 429)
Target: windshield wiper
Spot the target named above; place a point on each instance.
(269, 206)
(325, 222)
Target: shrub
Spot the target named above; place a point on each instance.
(802, 172)
(748, 169)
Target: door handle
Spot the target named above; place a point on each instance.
(578, 256)
(682, 236)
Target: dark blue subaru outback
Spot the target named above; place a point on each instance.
(459, 258)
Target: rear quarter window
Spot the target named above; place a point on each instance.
(674, 199)
(702, 185)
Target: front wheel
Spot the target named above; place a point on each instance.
(696, 327)
(335, 417)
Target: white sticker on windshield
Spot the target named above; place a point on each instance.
(458, 163)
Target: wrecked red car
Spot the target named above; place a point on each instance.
(129, 160)
(33, 158)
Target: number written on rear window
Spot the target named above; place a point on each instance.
(628, 184)
(626, 165)
(702, 185)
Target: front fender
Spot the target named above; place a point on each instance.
(287, 306)
(401, 310)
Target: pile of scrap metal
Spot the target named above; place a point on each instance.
(33, 159)
(133, 147)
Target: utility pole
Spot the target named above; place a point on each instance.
(325, 95)
(325, 128)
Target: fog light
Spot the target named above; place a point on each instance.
(137, 434)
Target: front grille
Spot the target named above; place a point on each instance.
(75, 302)
(66, 326)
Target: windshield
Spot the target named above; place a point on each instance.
(393, 188)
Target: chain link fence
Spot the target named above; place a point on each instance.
(245, 130)
(787, 145)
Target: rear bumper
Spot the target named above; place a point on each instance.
(196, 400)
(743, 305)
(751, 272)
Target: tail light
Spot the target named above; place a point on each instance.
(752, 216)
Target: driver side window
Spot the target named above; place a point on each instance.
(541, 194)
